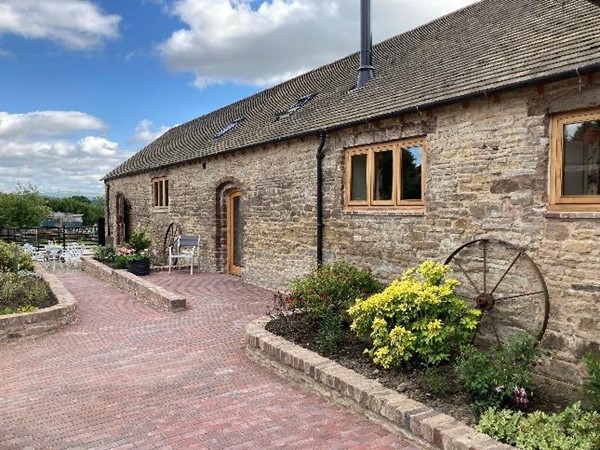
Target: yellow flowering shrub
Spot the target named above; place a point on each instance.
(418, 316)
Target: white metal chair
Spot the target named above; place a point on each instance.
(54, 254)
(29, 249)
(39, 256)
(184, 250)
(73, 254)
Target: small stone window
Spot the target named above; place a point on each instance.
(386, 175)
(575, 162)
(160, 192)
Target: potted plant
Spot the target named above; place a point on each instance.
(138, 264)
(137, 252)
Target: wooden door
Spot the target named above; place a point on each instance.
(235, 228)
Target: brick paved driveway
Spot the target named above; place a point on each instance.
(127, 376)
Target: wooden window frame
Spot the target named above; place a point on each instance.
(558, 201)
(348, 179)
(371, 175)
(160, 192)
(397, 203)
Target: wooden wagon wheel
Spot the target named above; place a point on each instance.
(173, 231)
(505, 284)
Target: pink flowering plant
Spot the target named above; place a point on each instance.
(499, 377)
(137, 247)
(125, 251)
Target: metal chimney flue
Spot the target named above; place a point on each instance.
(365, 71)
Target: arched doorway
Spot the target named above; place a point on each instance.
(229, 240)
(235, 229)
(120, 216)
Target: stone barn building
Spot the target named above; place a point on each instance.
(483, 124)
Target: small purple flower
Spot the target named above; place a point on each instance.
(521, 397)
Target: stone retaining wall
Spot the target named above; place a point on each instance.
(13, 326)
(386, 407)
(139, 287)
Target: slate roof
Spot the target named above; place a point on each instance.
(488, 46)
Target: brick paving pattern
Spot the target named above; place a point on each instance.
(128, 376)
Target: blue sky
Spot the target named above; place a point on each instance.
(86, 83)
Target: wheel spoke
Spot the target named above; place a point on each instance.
(506, 272)
(484, 267)
(519, 295)
(467, 275)
(529, 290)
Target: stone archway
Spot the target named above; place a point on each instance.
(122, 219)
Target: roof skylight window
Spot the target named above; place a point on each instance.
(230, 126)
(296, 106)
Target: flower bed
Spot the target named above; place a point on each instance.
(412, 338)
(24, 291)
(30, 303)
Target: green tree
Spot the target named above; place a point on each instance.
(92, 210)
(25, 207)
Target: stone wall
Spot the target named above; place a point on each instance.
(486, 177)
(278, 208)
(144, 290)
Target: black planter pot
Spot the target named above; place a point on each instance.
(139, 267)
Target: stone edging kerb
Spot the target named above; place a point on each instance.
(139, 287)
(384, 406)
(13, 326)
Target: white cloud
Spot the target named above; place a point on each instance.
(46, 123)
(56, 151)
(74, 24)
(145, 133)
(97, 146)
(236, 41)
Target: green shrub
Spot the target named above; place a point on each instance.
(6, 311)
(104, 254)
(571, 429)
(139, 241)
(121, 262)
(417, 317)
(332, 287)
(591, 383)
(499, 377)
(24, 289)
(326, 293)
(502, 424)
(8, 262)
(436, 380)
(330, 332)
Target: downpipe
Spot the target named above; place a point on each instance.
(320, 225)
